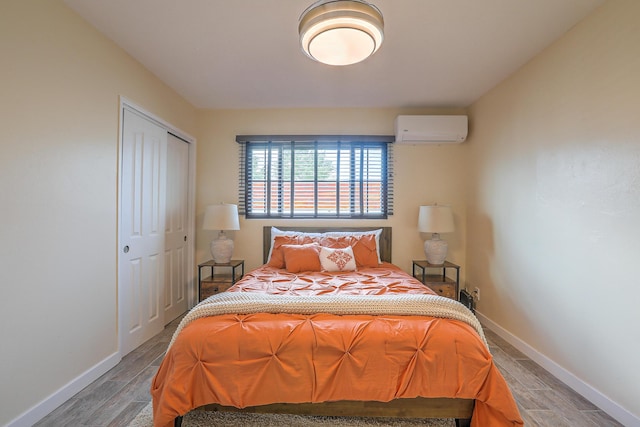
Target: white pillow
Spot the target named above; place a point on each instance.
(337, 259)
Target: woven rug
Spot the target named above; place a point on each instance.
(236, 419)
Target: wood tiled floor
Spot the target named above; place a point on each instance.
(543, 400)
(115, 398)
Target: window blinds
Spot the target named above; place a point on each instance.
(320, 177)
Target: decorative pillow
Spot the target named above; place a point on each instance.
(337, 259)
(365, 251)
(299, 258)
(336, 242)
(376, 233)
(366, 244)
(363, 246)
(275, 232)
(277, 256)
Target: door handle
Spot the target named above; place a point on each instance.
(125, 249)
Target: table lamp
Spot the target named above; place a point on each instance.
(435, 219)
(221, 217)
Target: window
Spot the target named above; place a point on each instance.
(315, 177)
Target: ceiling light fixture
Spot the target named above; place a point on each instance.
(341, 32)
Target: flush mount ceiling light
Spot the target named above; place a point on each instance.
(341, 32)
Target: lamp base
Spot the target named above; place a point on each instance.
(222, 249)
(435, 249)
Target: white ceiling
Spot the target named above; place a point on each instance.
(246, 53)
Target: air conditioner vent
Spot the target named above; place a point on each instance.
(431, 129)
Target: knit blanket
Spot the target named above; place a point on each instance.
(392, 304)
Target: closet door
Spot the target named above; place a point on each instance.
(141, 230)
(176, 229)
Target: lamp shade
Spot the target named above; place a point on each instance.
(435, 219)
(221, 217)
(341, 32)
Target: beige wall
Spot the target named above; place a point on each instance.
(423, 174)
(60, 85)
(547, 185)
(554, 206)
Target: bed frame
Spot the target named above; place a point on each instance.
(419, 407)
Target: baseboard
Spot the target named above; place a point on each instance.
(46, 406)
(603, 402)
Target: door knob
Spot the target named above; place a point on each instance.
(126, 249)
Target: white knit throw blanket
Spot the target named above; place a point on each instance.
(392, 304)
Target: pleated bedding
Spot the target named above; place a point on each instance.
(280, 351)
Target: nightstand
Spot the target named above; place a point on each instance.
(210, 285)
(439, 283)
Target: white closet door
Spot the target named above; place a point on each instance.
(142, 231)
(176, 229)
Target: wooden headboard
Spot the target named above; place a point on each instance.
(385, 237)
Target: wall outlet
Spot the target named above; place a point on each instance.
(476, 292)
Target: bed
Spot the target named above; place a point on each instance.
(292, 337)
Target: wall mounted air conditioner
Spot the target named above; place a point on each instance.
(431, 129)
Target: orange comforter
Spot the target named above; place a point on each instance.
(258, 359)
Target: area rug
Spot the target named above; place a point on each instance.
(237, 419)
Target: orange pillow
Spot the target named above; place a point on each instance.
(277, 256)
(299, 258)
(366, 251)
(336, 242)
